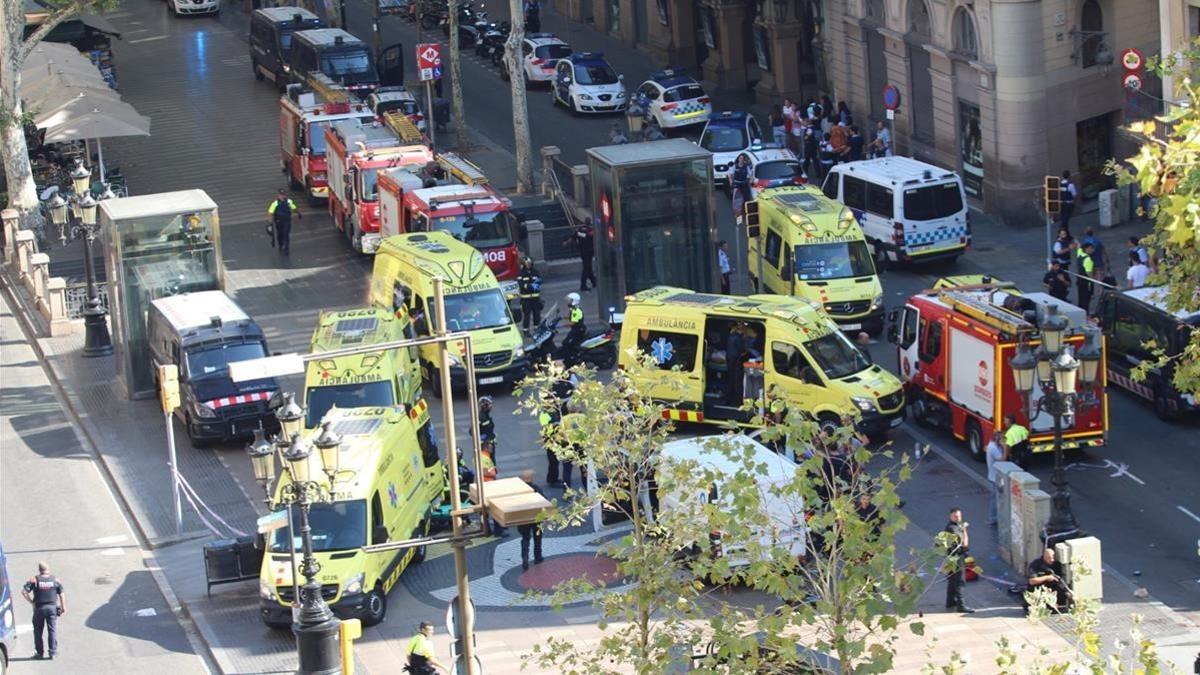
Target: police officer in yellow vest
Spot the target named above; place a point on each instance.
(1087, 272)
(569, 353)
(281, 211)
(420, 653)
(1016, 439)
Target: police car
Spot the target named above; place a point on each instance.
(539, 53)
(773, 166)
(396, 98)
(726, 135)
(673, 99)
(584, 82)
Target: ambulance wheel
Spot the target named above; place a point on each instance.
(829, 422)
(420, 552)
(375, 607)
(975, 441)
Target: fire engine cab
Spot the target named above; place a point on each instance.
(357, 153)
(955, 346)
(304, 114)
(462, 203)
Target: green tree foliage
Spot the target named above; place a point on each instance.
(1167, 168)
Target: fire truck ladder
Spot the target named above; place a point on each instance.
(403, 127)
(462, 169)
(1001, 319)
(327, 89)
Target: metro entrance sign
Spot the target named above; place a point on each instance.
(429, 61)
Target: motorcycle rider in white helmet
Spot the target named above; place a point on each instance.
(569, 352)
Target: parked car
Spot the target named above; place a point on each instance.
(539, 53)
(725, 135)
(773, 166)
(674, 99)
(585, 83)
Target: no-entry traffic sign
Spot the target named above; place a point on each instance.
(429, 61)
(1132, 60)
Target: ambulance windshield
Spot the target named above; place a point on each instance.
(838, 260)
(481, 230)
(354, 395)
(339, 526)
(836, 356)
(472, 311)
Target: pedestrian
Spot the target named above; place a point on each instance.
(529, 290)
(844, 116)
(1047, 572)
(814, 110)
(739, 177)
(616, 135)
(1136, 276)
(45, 593)
(585, 239)
(280, 211)
(838, 137)
(1135, 246)
(1101, 255)
(881, 146)
(421, 660)
(797, 134)
(828, 157)
(855, 144)
(789, 111)
(1087, 271)
(1063, 248)
(995, 452)
(812, 149)
(533, 16)
(531, 531)
(1056, 282)
(723, 264)
(956, 553)
(779, 126)
(868, 513)
(1016, 440)
(1068, 192)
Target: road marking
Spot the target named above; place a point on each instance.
(148, 611)
(1189, 513)
(113, 551)
(148, 39)
(1120, 469)
(115, 539)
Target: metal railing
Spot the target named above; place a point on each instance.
(564, 181)
(562, 197)
(77, 297)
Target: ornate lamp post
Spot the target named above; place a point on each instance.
(1058, 371)
(79, 222)
(316, 628)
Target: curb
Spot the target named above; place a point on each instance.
(195, 637)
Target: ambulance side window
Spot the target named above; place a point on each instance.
(931, 342)
(378, 526)
(788, 361)
(771, 250)
(669, 350)
(400, 296)
(908, 333)
(429, 448)
(420, 320)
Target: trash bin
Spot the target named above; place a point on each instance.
(636, 121)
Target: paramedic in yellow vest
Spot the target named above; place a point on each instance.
(420, 652)
(1016, 439)
(281, 211)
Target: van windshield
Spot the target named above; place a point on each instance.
(836, 356)
(838, 260)
(369, 188)
(316, 138)
(347, 62)
(319, 400)
(214, 361)
(481, 230)
(340, 526)
(931, 202)
(472, 311)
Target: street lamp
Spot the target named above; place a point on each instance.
(316, 627)
(1058, 371)
(79, 222)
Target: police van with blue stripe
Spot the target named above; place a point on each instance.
(909, 211)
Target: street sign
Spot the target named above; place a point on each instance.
(1132, 60)
(1132, 82)
(890, 114)
(891, 97)
(452, 618)
(272, 521)
(429, 61)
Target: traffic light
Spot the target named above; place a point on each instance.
(168, 387)
(1052, 194)
(750, 211)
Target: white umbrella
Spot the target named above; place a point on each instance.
(77, 120)
(50, 57)
(42, 101)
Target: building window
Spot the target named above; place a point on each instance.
(663, 15)
(918, 18)
(1193, 21)
(762, 51)
(970, 138)
(965, 41)
(875, 11)
(1091, 24)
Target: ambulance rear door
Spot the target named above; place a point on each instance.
(674, 343)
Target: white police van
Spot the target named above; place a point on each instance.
(909, 211)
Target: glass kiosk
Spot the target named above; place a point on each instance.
(654, 218)
(158, 245)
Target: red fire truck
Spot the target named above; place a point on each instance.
(463, 204)
(954, 347)
(304, 114)
(357, 153)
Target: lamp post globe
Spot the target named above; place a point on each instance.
(1023, 366)
(1053, 326)
(262, 458)
(1089, 363)
(81, 178)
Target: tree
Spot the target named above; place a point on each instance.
(456, 93)
(845, 597)
(15, 47)
(1167, 168)
(520, 108)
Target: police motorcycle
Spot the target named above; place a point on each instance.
(598, 350)
(490, 45)
(472, 23)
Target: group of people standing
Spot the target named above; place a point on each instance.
(821, 135)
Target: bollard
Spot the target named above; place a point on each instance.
(25, 246)
(11, 221)
(39, 273)
(549, 154)
(351, 630)
(536, 244)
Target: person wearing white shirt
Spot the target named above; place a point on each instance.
(724, 266)
(995, 452)
(1136, 276)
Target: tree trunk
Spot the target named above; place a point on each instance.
(22, 195)
(520, 109)
(456, 95)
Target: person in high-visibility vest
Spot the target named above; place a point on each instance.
(1016, 439)
(421, 660)
(280, 211)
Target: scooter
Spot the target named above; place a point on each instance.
(492, 39)
(599, 350)
(471, 25)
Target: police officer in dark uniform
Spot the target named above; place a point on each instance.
(487, 425)
(45, 593)
(1048, 572)
(585, 239)
(530, 531)
(281, 211)
(956, 551)
(529, 288)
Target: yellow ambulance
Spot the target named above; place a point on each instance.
(802, 243)
(389, 479)
(405, 266)
(723, 351)
(373, 380)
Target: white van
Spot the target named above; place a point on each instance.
(909, 211)
(786, 513)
